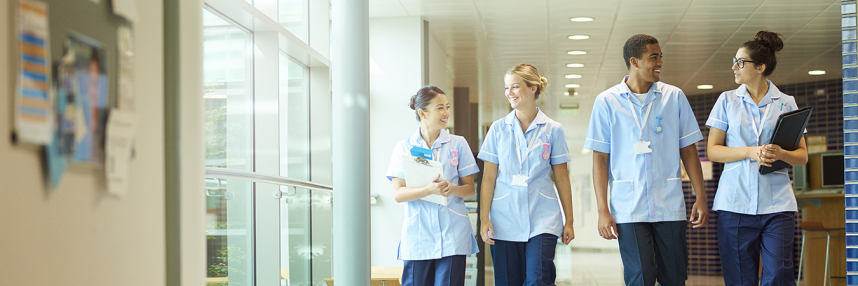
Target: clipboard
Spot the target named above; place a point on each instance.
(419, 172)
(788, 133)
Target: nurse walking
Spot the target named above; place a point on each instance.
(435, 238)
(521, 218)
(756, 213)
(640, 130)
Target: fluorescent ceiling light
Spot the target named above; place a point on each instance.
(579, 37)
(574, 65)
(816, 72)
(581, 19)
(577, 52)
(572, 85)
(566, 93)
(573, 76)
(704, 86)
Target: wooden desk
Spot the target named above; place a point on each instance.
(380, 276)
(829, 208)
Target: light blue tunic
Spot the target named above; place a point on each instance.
(742, 189)
(644, 187)
(520, 213)
(430, 230)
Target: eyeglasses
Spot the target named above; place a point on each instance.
(741, 62)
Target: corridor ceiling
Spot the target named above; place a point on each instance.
(698, 38)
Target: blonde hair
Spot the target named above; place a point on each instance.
(531, 77)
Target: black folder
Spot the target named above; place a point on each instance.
(788, 133)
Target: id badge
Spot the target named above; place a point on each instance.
(642, 147)
(519, 180)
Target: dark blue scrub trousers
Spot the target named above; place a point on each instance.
(528, 263)
(654, 252)
(741, 238)
(445, 271)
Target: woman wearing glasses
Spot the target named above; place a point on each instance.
(755, 212)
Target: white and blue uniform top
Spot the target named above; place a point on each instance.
(644, 187)
(430, 230)
(520, 213)
(742, 189)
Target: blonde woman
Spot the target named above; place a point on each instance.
(521, 218)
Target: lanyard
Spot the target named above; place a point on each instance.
(518, 147)
(635, 115)
(759, 131)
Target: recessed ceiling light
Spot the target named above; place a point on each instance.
(704, 86)
(572, 85)
(566, 93)
(574, 65)
(581, 19)
(577, 52)
(579, 37)
(573, 76)
(816, 72)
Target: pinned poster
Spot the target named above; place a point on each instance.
(125, 47)
(84, 76)
(121, 125)
(34, 115)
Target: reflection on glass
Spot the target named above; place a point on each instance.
(294, 17)
(296, 249)
(227, 81)
(229, 204)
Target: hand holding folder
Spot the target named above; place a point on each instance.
(788, 133)
(420, 172)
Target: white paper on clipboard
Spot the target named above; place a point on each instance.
(418, 175)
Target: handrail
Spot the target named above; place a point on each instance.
(257, 177)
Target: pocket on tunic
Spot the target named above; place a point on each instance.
(674, 197)
(550, 196)
(622, 196)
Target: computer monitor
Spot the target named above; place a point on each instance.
(824, 170)
(832, 170)
(799, 178)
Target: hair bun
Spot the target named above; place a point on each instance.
(770, 40)
(411, 102)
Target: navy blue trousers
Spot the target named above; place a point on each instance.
(445, 271)
(742, 239)
(528, 263)
(653, 252)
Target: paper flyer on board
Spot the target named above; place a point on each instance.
(34, 116)
(121, 126)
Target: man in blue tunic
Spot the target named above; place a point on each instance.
(639, 131)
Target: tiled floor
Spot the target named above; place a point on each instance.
(588, 268)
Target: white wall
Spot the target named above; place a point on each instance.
(396, 73)
(440, 73)
(78, 235)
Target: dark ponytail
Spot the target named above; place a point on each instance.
(763, 50)
(422, 98)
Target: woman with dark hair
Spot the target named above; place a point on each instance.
(756, 213)
(435, 238)
(521, 216)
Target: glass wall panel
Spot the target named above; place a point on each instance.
(295, 227)
(294, 16)
(229, 213)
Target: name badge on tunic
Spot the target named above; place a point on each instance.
(519, 180)
(642, 147)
